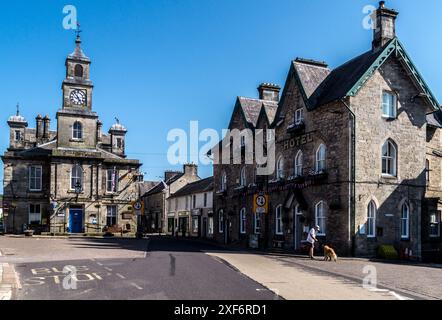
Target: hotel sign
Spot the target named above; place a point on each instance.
(298, 141)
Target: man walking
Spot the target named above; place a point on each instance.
(311, 239)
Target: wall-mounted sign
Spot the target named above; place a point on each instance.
(298, 141)
(127, 215)
(261, 203)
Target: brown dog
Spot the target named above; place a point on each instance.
(330, 254)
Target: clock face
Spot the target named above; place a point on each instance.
(78, 97)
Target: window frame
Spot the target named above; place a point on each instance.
(299, 164)
(77, 133)
(81, 177)
(34, 213)
(223, 181)
(210, 226)
(394, 105)
(299, 116)
(76, 68)
(322, 161)
(371, 219)
(205, 199)
(280, 168)
(257, 217)
(405, 208)
(112, 215)
(279, 226)
(321, 220)
(243, 177)
(221, 221)
(36, 178)
(437, 215)
(20, 136)
(112, 171)
(242, 221)
(389, 158)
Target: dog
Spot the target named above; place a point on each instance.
(330, 254)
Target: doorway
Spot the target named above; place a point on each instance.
(298, 224)
(75, 219)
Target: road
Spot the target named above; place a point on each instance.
(110, 269)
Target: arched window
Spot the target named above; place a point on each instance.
(223, 181)
(278, 220)
(371, 219)
(320, 158)
(389, 158)
(242, 221)
(320, 217)
(257, 223)
(76, 177)
(77, 130)
(243, 179)
(221, 221)
(280, 168)
(405, 221)
(298, 164)
(78, 71)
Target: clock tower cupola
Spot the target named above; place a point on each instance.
(77, 87)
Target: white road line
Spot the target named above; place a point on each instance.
(136, 286)
(99, 263)
(120, 276)
(145, 254)
(108, 269)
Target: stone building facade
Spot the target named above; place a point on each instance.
(354, 146)
(191, 210)
(155, 200)
(76, 179)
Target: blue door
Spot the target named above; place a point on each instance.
(75, 220)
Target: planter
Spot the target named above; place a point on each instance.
(29, 233)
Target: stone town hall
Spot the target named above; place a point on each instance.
(73, 180)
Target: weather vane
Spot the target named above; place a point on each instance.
(78, 31)
(118, 120)
(18, 108)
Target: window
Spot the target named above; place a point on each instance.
(77, 131)
(242, 221)
(112, 180)
(243, 180)
(280, 168)
(320, 217)
(405, 221)
(269, 134)
(243, 141)
(34, 214)
(18, 136)
(435, 224)
(320, 158)
(210, 231)
(389, 159)
(389, 105)
(193, 201)
(35, 177)
(371, 220)
(223, 182)
(257, 223)
(195, 224)
(221, 221)
(76, 177)
(78, 71)
(298, 164)
(111, 217)
(187, 203)
(299, 116)
(278, 222)
(119, 143)
(205, 200)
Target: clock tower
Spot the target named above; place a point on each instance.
(76, 122)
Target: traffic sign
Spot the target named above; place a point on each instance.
(138, 207)
(261, 203)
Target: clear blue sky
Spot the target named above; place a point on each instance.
(159, 64)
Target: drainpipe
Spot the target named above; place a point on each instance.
(352, 179)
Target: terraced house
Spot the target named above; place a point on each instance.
(76, 179)
(357, 153)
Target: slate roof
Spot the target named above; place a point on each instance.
(174, 178)
(252, 108)
(311, 74)
(146, 186)
(435, 119)
(157, 189)
(199, 186)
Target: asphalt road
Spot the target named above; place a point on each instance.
(110, 269)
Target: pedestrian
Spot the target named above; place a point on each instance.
(311, 239)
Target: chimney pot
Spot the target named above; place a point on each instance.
(269, 91)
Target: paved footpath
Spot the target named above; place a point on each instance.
(294, 279)
(8, 280)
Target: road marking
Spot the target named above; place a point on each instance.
(145, 254)
(108, 269)
(99, 263)
(120, 276)
(136, 286)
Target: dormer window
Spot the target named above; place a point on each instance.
(299, 116)
(119, 143)
(78, 72)
(389, 105)
(18, 136)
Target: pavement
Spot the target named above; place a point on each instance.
(161, 268)
(8, 280)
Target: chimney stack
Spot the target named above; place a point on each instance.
(269, 92)
(191, 169)
(99, 130)
(385, 26)
(46, 127)
(39, 127)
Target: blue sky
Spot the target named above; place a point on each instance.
(159, 64)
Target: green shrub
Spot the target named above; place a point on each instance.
(388, 252)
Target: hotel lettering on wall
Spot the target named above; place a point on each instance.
(297, 141)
